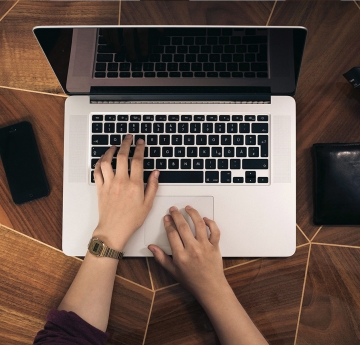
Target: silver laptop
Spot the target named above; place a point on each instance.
(214, 106)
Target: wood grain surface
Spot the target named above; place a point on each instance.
(38, 282)
(331, 306)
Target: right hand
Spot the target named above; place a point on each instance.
(196, 262)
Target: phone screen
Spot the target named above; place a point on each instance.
(22, 163)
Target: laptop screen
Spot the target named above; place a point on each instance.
(131, 60)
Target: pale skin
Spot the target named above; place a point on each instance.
(196, 262)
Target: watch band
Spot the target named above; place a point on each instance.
(99, 248)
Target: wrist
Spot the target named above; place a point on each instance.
(214, 293)
(117, 244)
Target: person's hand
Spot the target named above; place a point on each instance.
(123, 202)
(196, 262)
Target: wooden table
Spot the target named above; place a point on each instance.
(312, 297)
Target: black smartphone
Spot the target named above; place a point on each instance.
(22, 163)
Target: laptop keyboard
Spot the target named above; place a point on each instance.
(186, 53)
(196, 149)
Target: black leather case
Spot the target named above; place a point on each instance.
(337, 184)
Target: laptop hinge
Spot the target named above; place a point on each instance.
(177, 102)
(247, 95)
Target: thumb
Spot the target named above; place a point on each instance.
(152, 187)
(163, 259)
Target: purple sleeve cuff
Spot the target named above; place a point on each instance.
(65, 328)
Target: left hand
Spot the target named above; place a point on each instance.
(123, 202)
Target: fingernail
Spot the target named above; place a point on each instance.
(128, 136)
(167, 218)
(156, 173)
(152, 249)
(173, 208)
(188, 207)
(140, 141)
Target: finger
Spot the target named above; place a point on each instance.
(163, 259)
(214, 231)
(105, 164)
(151, 188)
(123, 156)
(173, 236)
(98, 177)
(137, 163)
(182, 226)
(200, 226)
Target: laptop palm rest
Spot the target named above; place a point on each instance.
(155, 232)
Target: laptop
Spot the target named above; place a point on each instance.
(214, 105)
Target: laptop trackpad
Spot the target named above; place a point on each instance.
(155, 232)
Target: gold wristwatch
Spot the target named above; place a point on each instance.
(99, 248)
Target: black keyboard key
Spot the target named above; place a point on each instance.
(110, 117)
(187, 74)
(201, 140)
(238, 180)
(224, 117)
(226, 140)
(134, 127)
(97, 117)
(100, 140)
(254, 39)
(162, 74)
(255, 164)
(229, 151)
(207, 127)
(93, 163)
(220, 128)
(97, 127)
(100, 74)
(167, 151)
(253, 152)
(152, 139)
(224, 74)
(112, 74)
(123, 118)
(98, 151)
(124, 74)
(160, 117)
(183, 127)
(146, 127)
(161, 164)
(109, 127)
(170, 127)
(173, 164)
(195, 128)
(244, 127)
(212, 177)
(216, 152)
(264, 145)
(232, 127)
(124, 67)
(160, 66)
(211, 117)
(121, 127)
(115, 139)
(154, 151)
(186, 164)
(181, 176)
(259, 127)
(148, 67)
(234, 164)
(210, 163)
(249, 74)
(100, 66)
(176, 139)
(236, 118)
(209, 67)
(213, 140)
(173, 117)
(204, 151)
(158, 128)
(223, 164)
(186, 118)
(241, 151)
(179, 151)
(199, 117)
(225, 177)
(263, 180)
(149, 74)
(244, 67)
(167, 58)
(148, 117)
(104, 57)
(198, 164)
(148, 164)
(164, 139)
(192, 151)
(238, 140)
(263, 118)
(212, 74)
(197, 67)
(137, 74)
(250, 139)
(250, 117)
(189, 140)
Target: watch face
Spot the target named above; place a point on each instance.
(96, 247)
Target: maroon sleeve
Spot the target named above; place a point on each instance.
(65, 328)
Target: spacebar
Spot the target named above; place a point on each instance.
(167, 176)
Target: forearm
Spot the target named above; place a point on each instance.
(231, 322)
(89, 296)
